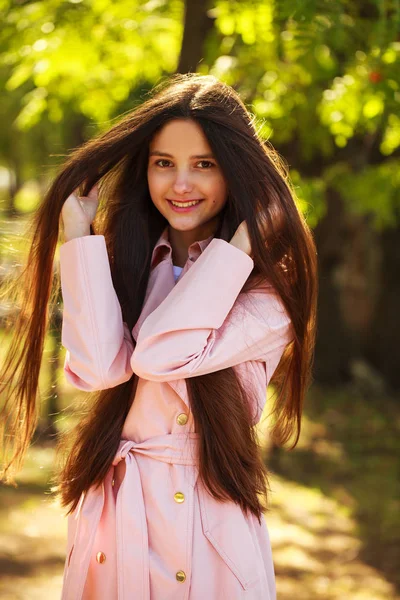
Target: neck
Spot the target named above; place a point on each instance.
(181, 240)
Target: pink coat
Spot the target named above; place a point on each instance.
(151, 531)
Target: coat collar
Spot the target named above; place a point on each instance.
(161, 282)
(161, 279)
(163, 250)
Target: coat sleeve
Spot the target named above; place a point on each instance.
(98, 343)
(205, 324)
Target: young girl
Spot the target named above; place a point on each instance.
(189, 283)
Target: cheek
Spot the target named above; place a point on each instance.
(154, 190)
(216, 186)
(220, 192)
(156, 183)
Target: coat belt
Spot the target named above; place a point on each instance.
(132, 557)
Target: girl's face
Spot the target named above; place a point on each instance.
(181, 167)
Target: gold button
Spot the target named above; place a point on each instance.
(181, 576)
(101, 557)
(179, 497)
(182, 419)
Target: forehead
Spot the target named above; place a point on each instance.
(180, 134)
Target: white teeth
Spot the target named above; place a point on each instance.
(184, 204)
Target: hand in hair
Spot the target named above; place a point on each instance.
(78, 213)
(241, 238)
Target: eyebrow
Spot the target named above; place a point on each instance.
(158, 153)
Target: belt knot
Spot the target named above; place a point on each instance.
(124, 447)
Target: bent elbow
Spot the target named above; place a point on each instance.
(150, 370)
(144, 370)
(89, 380)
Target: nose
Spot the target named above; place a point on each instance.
(182, 183)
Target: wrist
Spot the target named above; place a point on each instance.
(70, 235)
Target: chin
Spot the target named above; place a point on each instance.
(179, 225)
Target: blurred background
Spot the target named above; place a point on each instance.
(322, 78)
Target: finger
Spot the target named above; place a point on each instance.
(74, 194)
(94, 192)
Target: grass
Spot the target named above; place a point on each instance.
(32, 533)
(348, 454)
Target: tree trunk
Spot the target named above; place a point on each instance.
(333, 346)
(197, 24)
(382, 343)
(13, 189)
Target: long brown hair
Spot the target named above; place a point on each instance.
(230, 461)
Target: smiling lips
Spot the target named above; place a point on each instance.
(181, 205)
(184, 201)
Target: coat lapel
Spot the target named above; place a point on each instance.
(161, 281)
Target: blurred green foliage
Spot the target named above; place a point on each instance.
(85, 56)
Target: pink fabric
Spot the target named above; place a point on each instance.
(199, 324)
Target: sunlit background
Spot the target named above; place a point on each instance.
(322, 79)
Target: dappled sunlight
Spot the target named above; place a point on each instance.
(321, 499)
(316, 549)
(314, 540)
(33, 539)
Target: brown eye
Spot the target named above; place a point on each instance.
(207, 162)
(161, 160)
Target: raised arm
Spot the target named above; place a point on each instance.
(98, 343)
(205, 324)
